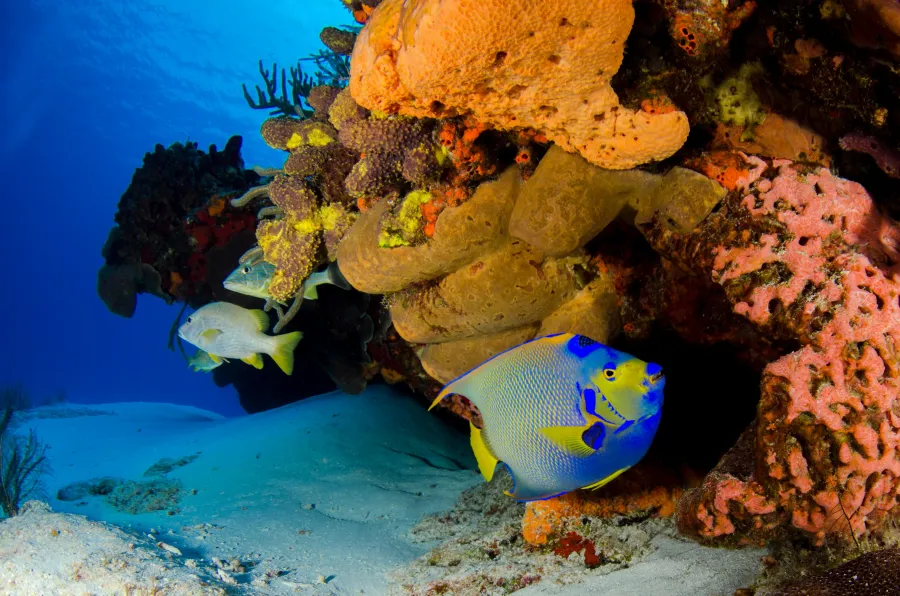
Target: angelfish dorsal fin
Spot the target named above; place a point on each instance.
(463, 385)
(469, 385)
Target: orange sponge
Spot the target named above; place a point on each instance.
(547, 67)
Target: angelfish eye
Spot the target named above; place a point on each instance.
(246, 269)
(190, 319)
(609, 373)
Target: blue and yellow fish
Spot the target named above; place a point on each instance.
(561, 412)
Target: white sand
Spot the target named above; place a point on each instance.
(318, 497)
(676, 567)
(325, 488)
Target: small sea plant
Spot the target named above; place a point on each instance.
(23, 460)
(16, 398)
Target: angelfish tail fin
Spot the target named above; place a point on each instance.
(283, 354)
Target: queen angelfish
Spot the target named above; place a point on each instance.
(561, 412)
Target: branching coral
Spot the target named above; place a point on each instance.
(806, 256)
(547, 68)
(290, 103)
(23, 459)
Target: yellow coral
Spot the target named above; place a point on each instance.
(314, 135)
(406, 225)
(329, 217)
(292, 252)
(307, 226)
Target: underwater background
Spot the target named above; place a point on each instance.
(88, 88)
(555, 211)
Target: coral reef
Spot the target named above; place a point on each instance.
(331, 68)
(171, 221)
(562, 521)
(888, 160)
(875, 24)
(509, 69)
(339, 41)
(507, 264)
(651, 174)
(804, 256)
(396, 151)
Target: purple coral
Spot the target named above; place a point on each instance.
(327, 168)
(397, 151)
(294, 196)
(887, 159)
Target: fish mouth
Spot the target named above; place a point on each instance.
(656, 378)
(612, 410)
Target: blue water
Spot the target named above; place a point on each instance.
(88, 87)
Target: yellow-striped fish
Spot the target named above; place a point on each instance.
(561, 412)
(226, 330)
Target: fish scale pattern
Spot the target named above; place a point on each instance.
(548, 377)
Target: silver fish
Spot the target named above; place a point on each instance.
(226, 330)
(253, 279)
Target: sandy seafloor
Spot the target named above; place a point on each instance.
(324, 496)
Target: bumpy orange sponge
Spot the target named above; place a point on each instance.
(547, 66)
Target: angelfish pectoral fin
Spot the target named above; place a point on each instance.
(569, 439)
(487, 463)
(605, 481)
